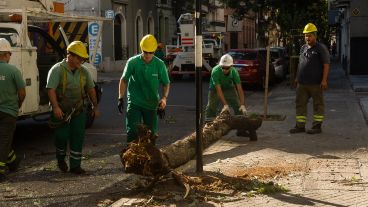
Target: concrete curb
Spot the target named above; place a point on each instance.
(364, 105)
(359, 83)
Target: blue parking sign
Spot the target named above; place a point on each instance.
(98, 59)
(109, 14)
(93, 29)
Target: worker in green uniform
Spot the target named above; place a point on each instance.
(68, 85)
(12, 94)
(311, 81)
(225, 87)
(143, 74)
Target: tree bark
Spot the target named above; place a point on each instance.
(144, 158)
(182, 151)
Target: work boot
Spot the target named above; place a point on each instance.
(77, 170)
(13, 166)
(63, 166)
(297, 129)
(316, 129)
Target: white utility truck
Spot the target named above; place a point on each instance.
(35, 51)
(181, 56)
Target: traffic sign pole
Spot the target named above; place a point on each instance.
(198, 65)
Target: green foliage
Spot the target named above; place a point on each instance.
(290, 15)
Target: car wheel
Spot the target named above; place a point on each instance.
(262, 83)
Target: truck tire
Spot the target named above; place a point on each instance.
(90, 117)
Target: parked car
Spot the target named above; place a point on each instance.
(251, 65)
(280, 61)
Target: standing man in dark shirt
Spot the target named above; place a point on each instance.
(311, 80)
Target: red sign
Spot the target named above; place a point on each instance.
(187, 41)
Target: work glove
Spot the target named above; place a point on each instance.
(225, 108)
(121, 105)
(161, 113)
(243, 110)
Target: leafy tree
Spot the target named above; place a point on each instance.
(290, 15)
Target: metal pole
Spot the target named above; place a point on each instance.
(265, 106)
(198, 65)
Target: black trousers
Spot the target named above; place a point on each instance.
(7, 128)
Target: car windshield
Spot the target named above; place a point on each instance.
(243, 55)
(11, 35)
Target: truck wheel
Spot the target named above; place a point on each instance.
(177, 77)
(90, 117)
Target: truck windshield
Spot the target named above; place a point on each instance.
(11, 35)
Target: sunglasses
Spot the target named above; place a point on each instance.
(78, 57)
(225, 68)
(148, 52)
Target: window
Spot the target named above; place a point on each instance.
(11, 35)
(243, 55)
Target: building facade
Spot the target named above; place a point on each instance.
(350, 18)
(240, 34)
(131, 20)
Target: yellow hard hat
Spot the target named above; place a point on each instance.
(148, 43)
(310, 27)
(78, 48)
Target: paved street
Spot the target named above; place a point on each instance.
(39, 182)
(342, 148)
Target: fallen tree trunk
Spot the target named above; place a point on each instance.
(181, 151)
(144, 158)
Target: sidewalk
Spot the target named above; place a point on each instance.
(359, 84)
(331, 162)
(330, 169)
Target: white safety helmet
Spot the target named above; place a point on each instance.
(226, 60)
(4, 45)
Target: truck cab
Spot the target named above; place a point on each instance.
(34, 52)
(181, 57)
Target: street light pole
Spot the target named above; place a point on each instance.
(198, 65)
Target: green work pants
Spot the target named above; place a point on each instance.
(232, 98)
(135, 116)
(303, 94)
(73, 133)
(7, 128)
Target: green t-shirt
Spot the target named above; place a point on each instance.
(226, 81)
(144, 81)
(73, 92)
(10, 82)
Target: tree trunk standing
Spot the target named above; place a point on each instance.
(144, 158)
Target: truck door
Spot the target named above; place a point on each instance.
(24, 58)
(48, 54)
